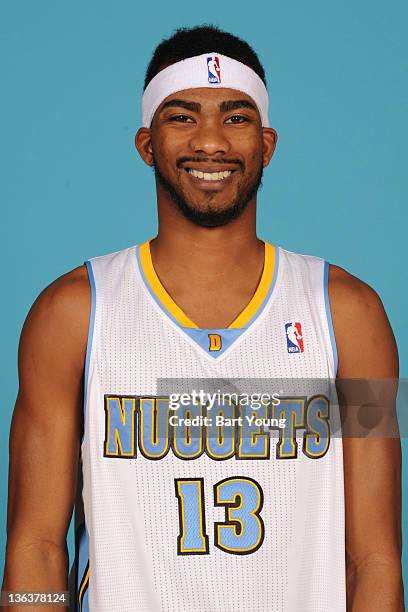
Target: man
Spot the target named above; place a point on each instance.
(211, 516)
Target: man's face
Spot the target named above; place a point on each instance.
(208, 151)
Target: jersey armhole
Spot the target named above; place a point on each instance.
(91, 277)
(329, 317)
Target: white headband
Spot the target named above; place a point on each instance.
(211, 70)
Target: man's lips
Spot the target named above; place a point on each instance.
(209, 173)
(219, 176)
(209, 167)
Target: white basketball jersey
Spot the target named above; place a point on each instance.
(240, 508)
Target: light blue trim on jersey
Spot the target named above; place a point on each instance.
(329, 317)
(200, 334)
(228, 336)
(83, 562)
(90, 333)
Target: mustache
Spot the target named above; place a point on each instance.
(215, 160)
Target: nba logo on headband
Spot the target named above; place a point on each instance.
(213, 67)
(204, 70)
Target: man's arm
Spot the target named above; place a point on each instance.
(45, 437)
(372, 465)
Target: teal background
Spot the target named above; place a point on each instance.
(73, 186)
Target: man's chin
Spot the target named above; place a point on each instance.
(210, 217)
(205, 214)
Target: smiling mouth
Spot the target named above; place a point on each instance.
(209, 176)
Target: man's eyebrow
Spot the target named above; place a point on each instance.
(230, 105)
(194, 107)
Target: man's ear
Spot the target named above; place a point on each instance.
(143, 143)
(270, 138)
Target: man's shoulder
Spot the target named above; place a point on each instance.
(68, 290)
(60, 313)
(364, 337)
(68, 298)
(349, 293)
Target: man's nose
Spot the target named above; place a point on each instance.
(209, 139)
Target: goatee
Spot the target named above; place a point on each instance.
(210, 217)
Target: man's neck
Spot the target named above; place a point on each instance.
(211, 273)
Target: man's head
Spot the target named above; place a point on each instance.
(206, 142)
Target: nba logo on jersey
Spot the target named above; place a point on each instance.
(294, 337)
(213, 67)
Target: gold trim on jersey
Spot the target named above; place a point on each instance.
(83, 586)
(170, 305)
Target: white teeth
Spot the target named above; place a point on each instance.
(210, 176)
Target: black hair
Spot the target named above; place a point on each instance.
(188, 42)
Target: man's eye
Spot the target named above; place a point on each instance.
(236, 119)
(180, 118)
